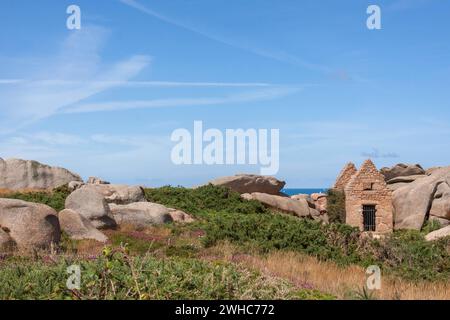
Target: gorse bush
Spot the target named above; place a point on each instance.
(195, 201)
(55, 198)
(336, 205)
(269, 232)
(405, 254)
(118, 276)
(430, 226)
(223, 215)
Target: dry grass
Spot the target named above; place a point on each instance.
(6, 192)
(342, 282)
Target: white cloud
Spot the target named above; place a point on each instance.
(401, 5)
(266, 53)
(79, 61)
(11, 81)
(259, 95)
(167, 84)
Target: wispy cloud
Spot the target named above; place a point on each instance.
(401, 5)
(10, 81)
(168, 84)
(376, 154)
(266, 53)
(79, 61)
(259, 95)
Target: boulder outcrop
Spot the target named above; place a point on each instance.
(92, 205)
(438, 234)
(74, 185)
(78, 227)
(297, 207)
(306, 197)
(249, 183)
(320, 202)
(401, 170)
(116, 193)
(95, 180)
(17, 174)
(180, 216)
(141, 214)
(29, 225)
(420, 198)
(7, 244)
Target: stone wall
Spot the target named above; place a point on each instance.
(344, 176)
(367, 187)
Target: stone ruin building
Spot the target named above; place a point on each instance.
(368, 201)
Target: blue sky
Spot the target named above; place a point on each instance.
(104, 100)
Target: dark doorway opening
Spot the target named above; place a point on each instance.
(369, 217)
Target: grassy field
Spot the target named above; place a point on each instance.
(236, 249)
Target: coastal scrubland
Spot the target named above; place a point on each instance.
(235, 249)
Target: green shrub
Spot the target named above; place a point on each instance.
(268, 232)
(183, 251)
(118, 276)
(55, 198)
(407, 254)
(430, 226)
(195, 201)
(336, 205)
(404, 253)
(134, 244)
(225, 216)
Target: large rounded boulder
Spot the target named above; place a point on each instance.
(141, 214)
(438, 234)
(401, 170)
(440, 208)
(17, 174)
(29, 225)
(7, 244)
(249, 183)
(117, 193)
(92, 205)
(78, 227)
(297, 207)
(422, 198)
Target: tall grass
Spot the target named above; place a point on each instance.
(225, 216)
(116, 275)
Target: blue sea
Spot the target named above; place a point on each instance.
(293, 191)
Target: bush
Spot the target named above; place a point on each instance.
(406, 254)
(336, 205)
(269, 232)
(55, 198)
(195, 201)
(430, 226)
(118, 276)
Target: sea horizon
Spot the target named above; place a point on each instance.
(294, 191)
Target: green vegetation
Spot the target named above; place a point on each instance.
(336, 206)
(55, 199)
(196, 201)
(116, 275)
(134, 243)
(269, 232)
(225, 216)
(430, 226)
(168, 263)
